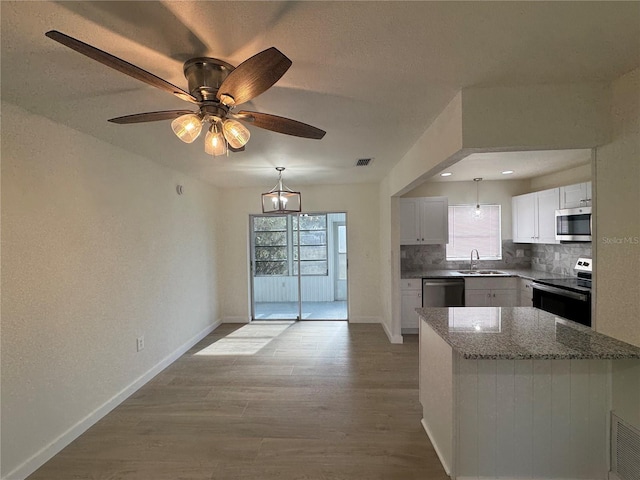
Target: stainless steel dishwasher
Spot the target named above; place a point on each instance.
(443, 292)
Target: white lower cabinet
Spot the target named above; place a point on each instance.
(525, 292)
(411, 298)
(491, 292)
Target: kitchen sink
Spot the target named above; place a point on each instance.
(481, 272)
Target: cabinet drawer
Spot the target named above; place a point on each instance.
(487, 283)
(411, 284)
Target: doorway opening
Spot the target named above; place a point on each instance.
(299, 266)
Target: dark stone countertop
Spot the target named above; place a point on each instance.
(516, 333)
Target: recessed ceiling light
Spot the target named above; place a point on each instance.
(507, 172)
(446, 174)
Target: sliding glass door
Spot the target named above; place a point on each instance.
(298, 265)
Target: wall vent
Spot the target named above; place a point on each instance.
(625, 449)
(363, 162)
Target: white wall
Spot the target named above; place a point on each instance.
(536, 117)
(571, 176)
(497, 192)
(361, 204)
(97, 249)
(617, 217)
(617, 230)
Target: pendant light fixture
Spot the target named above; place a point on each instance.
(477, 212)
(281, 199)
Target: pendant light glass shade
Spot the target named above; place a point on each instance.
(281, 199)
(214, 142)
(187, 127)
(236, 134)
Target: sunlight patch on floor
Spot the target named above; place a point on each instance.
(247, 340)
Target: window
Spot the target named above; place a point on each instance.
(271, 245)
(467, 231)
(312, 231)
(276, 245)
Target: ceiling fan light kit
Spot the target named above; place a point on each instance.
(187, 127)
(216, 87)
(281, 199)
(214, 142)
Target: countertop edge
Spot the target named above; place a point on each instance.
(618, 350)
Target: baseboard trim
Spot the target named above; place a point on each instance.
(392, 338)
(364, 320)
(447, 468)
(236, 320)
(45, 454)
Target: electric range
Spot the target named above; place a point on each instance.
(567, 297)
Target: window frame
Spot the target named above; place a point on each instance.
(292, 247)
(498, 234)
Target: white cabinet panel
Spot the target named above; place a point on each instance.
(410, 299)
(477, 298)
(523, 208)
(533, 216)
(574, 196)
(424, 220)
(525, 291)
(504, 298)
(548, 203)
(491, 292)
(410, 233)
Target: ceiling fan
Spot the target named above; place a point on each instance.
(216, 87)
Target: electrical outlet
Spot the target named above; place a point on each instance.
(140, 343)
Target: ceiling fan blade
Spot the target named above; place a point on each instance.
(150, 116)
(253, 76)
(120, 65)
(281, 125)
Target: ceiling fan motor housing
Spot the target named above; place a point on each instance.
(205, 75)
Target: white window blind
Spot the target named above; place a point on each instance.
(467, 231)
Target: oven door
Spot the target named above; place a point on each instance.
(564, 303)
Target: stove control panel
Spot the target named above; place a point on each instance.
(583, 265)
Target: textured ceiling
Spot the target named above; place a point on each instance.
(374, 75)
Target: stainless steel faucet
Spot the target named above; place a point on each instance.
(472, 265)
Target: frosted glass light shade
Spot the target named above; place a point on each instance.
(214, 142)
(236, 134)
(187, 127)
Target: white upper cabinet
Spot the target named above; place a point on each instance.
(534, 216)
(574, 196)
(424, 220)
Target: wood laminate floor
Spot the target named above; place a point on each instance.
(304, 401)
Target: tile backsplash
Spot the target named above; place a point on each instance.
(558, 258)
(414, 258)
(542, 257)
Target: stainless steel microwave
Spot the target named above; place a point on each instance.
(573, 224)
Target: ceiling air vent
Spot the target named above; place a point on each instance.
(363, 162)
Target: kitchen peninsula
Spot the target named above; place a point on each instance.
(516, 392)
